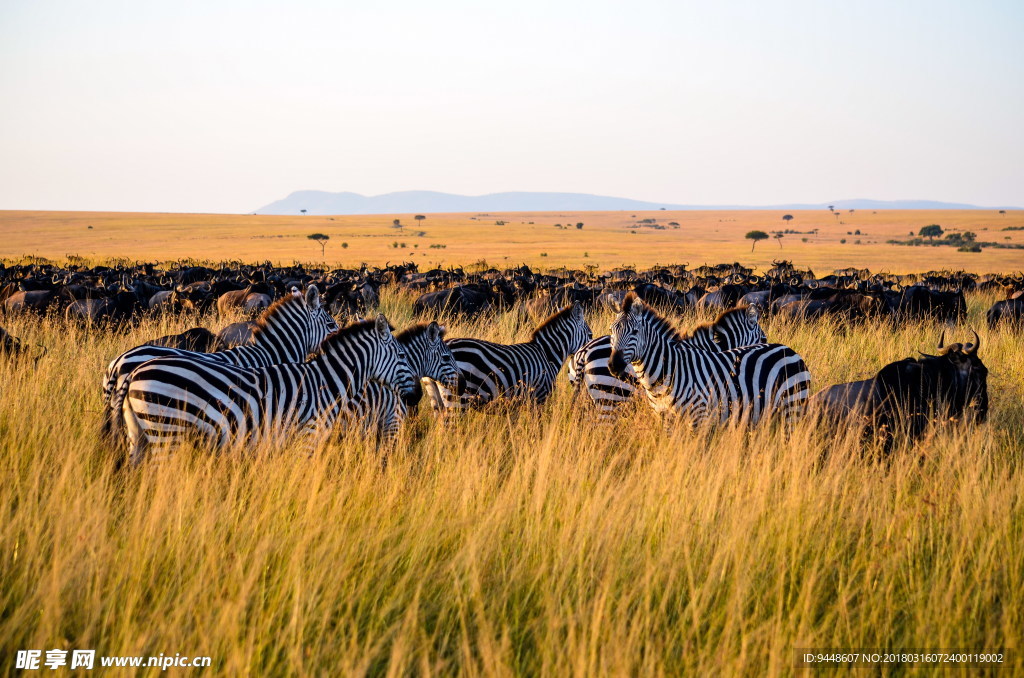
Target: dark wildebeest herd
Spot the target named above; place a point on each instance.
(291, 369)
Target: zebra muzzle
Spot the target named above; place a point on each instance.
(617, 365)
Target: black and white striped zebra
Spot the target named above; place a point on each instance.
(379, 408)
(510, 371)
(589, 367)
(221, 405)
(287, 332)
(744, 385)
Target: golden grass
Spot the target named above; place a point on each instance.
(533, 543)
(605, 241)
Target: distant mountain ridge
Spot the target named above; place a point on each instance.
(324, 202)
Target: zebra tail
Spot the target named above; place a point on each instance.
(113, 420)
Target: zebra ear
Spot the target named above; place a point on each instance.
(313, 296)
(382, 326)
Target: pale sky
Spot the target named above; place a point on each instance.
(224, 106)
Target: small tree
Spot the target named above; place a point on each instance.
(419, 217)
(321, 239)
(1003, 212)
(755, 236)
(397, 223)
(931, 231)
(579, 225)
(831, 208)
(778, 236)
(787, 217)
(303, 211)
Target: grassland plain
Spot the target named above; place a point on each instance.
(607, 239)
(533, 542)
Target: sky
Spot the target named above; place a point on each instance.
(227, 105)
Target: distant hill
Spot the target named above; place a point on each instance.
(323, 202)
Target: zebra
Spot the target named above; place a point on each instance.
(504, 371)
(379, 406)
(741, 384)
(287, 332)
(224, 405)
(589, 368)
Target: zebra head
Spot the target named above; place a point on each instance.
(439, 362)
(430, 358)
(390, 364)
(630, 334)
(750, 330)
(320, 319)
(737, 328)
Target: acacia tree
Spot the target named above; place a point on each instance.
(755, 236)
(778, 236)
(303, 211)
(931, 231)
(787, 217)
(321, 239)
(419, 217)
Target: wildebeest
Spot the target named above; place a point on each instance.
(459, 300)
(236, 334)
(9, 344)
(908, 394)
(1007, 310)
(197, 339)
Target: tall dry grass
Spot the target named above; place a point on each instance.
(534, 542)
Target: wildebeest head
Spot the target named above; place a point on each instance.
(950, 385)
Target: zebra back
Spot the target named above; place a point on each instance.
(227, 404)
(287, 332)
(492, 371)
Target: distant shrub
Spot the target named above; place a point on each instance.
(543, 254)
(843, 241)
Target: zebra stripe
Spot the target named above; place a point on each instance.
(223, 405)
(743, 384)
(287, 332)
(504, 371)
(589, 367)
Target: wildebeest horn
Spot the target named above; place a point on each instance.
(971, 349)
(942, 338)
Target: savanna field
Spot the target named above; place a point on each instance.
(535, 541)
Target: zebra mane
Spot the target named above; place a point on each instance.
(411, 333)
(348, 331)
(714, 323)
(266, 318)
(557, 317)
(660, 322)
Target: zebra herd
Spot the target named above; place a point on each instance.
(303, 376)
